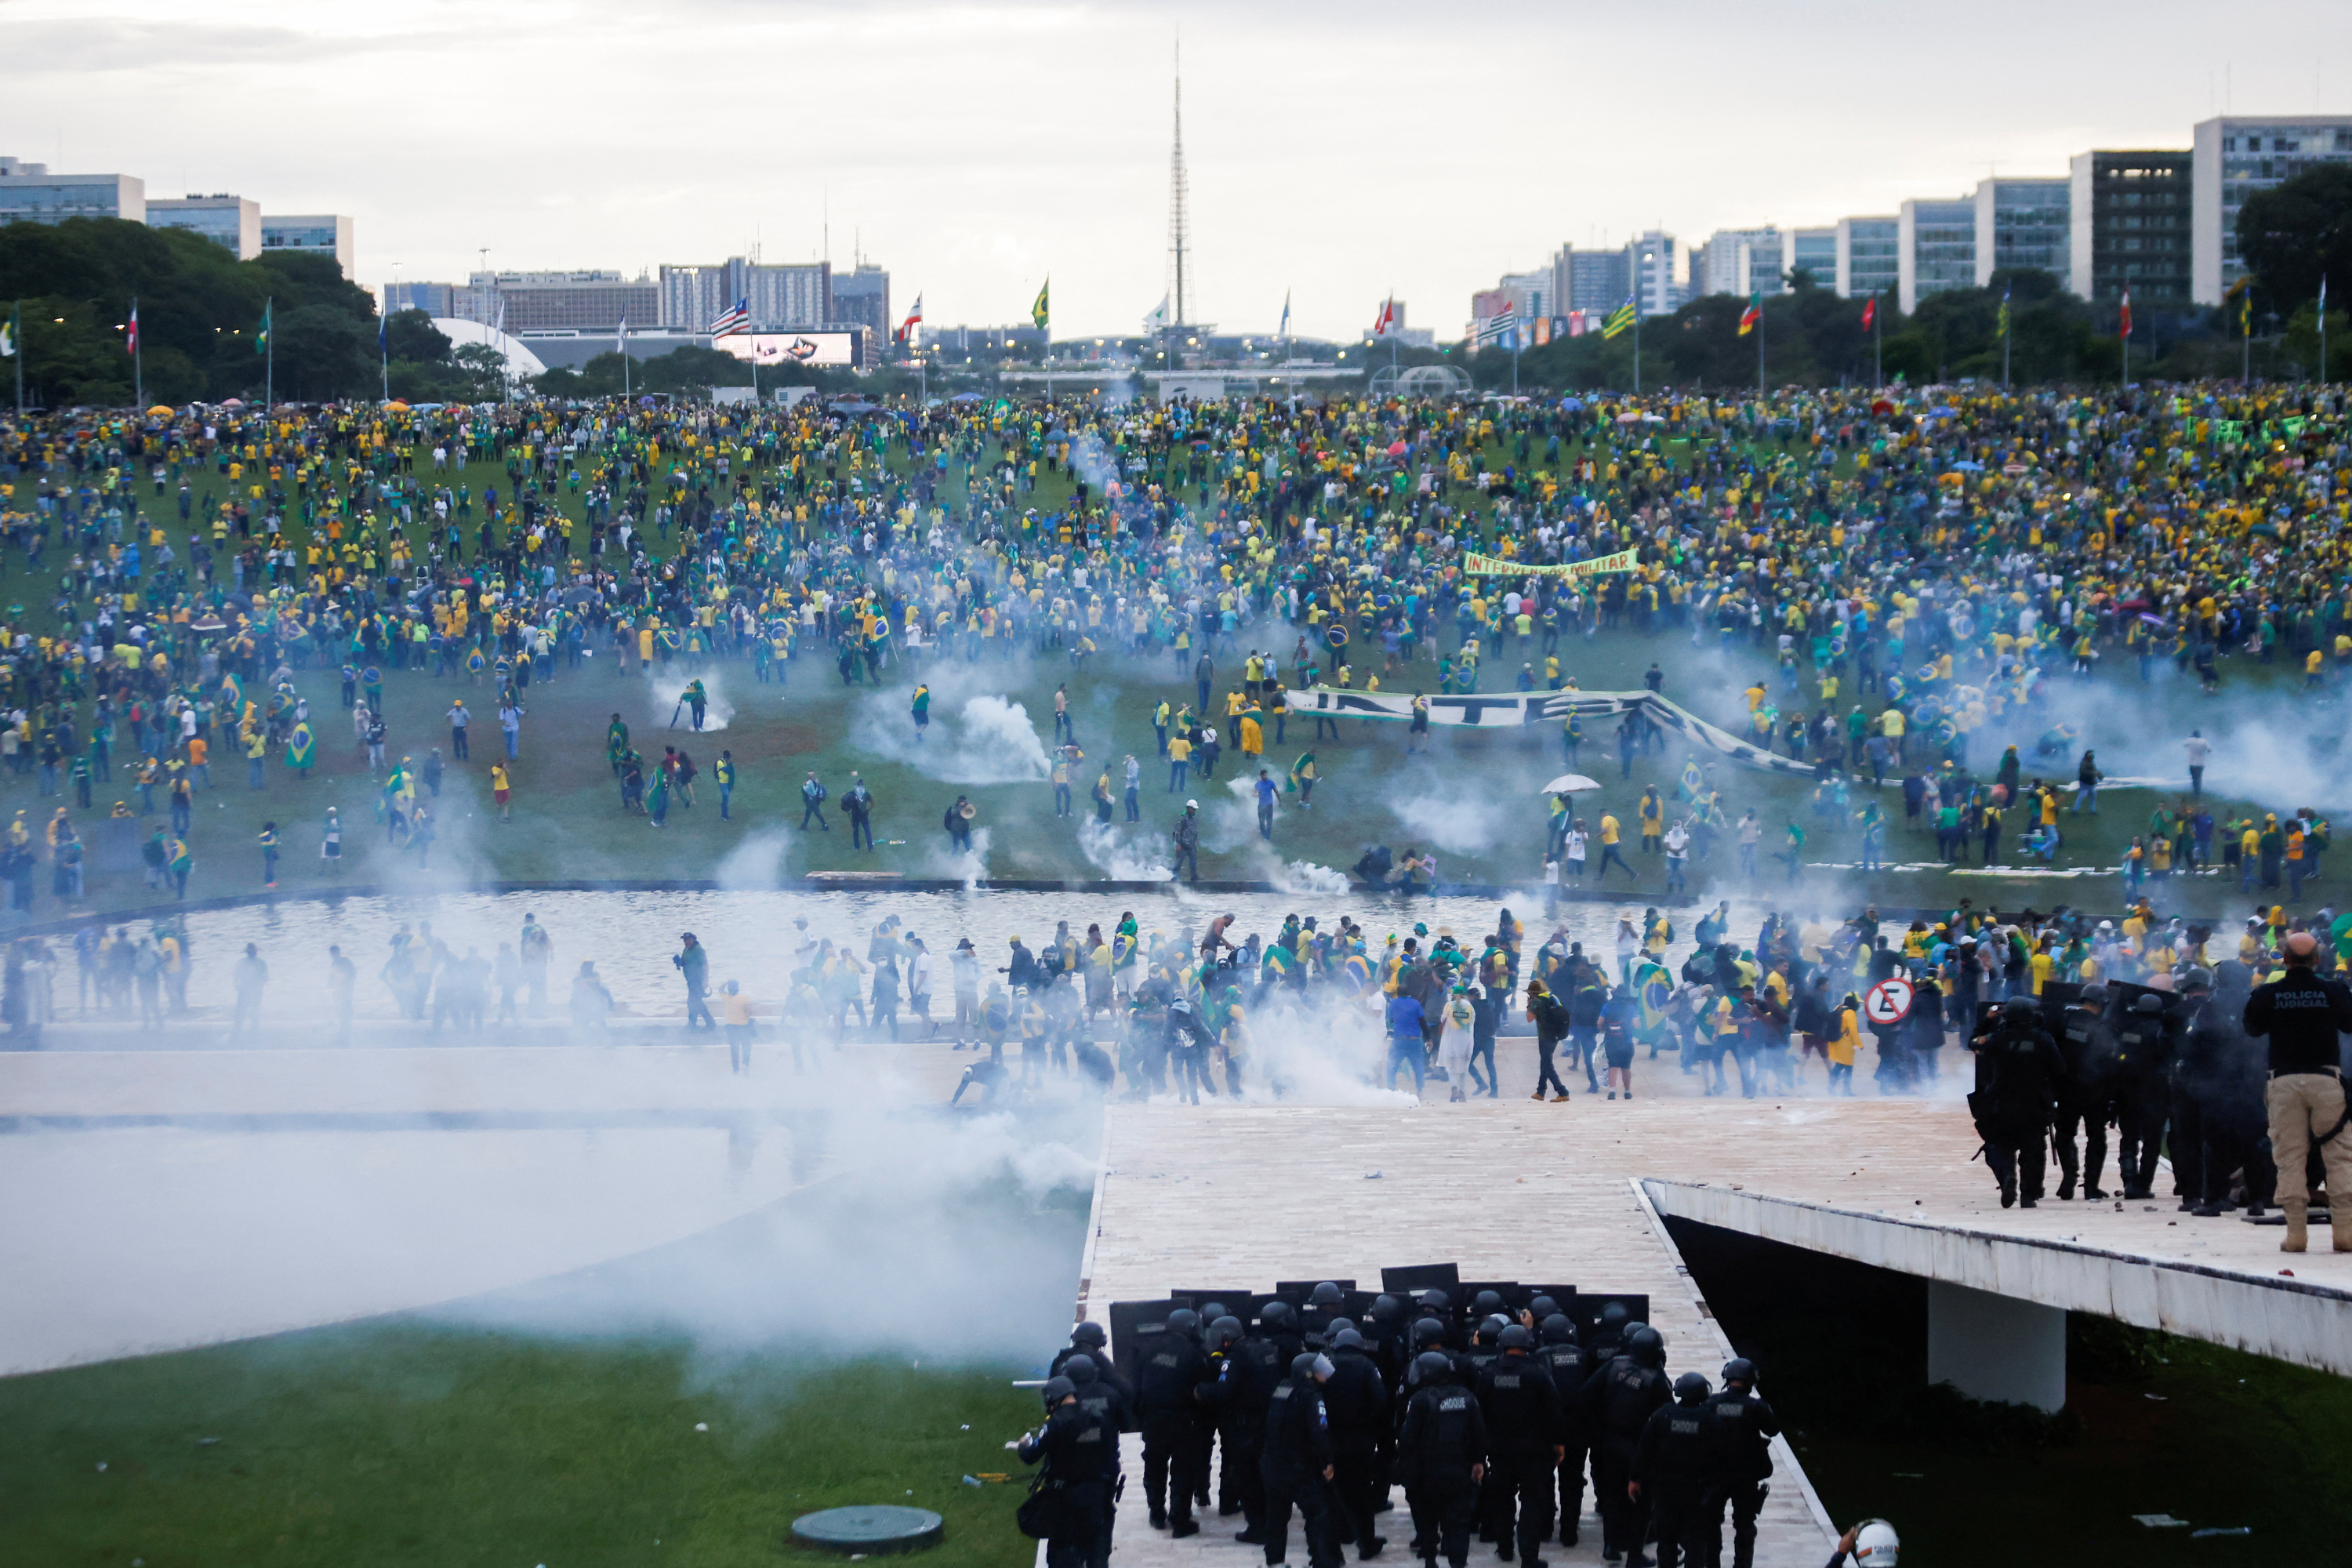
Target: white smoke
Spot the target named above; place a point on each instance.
(1458, 824)
(1121, 855)
(668, 689)
(757, 863)
(969, 867)
(988, 740)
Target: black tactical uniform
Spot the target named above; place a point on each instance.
(1521, 1406)
(1170, 1367)
(1618, 1400)
(1357, 1400)
(1439, 1449)
(2085, 1095)
(1297, 1454)
(2017, 1069)
(1080, 1451)
(1670, 1462)
(1741, 1428)
(2199, 1070)
(2144, 1042)
(1570, 1367)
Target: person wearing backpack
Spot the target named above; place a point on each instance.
(812, 804)
(1549, 1016)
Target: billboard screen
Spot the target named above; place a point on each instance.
(791, 348)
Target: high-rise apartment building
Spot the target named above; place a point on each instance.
(585, 300)
(1813, 251)
(798, 294)
(861, 298)
(1740, 261)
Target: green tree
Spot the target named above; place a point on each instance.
(2296, 233)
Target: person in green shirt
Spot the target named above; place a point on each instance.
(1794, 854)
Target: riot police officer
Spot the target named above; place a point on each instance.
(1570, 1366)
(1618, 1400)
(1166, 1407)
(1669, 1474)
(2085, 1090)
(1440, 1458)
(2018, 1070)
(1079, 1448)
(2144, 1045)
(1521, 1406)
(1357, 1400)
(1297, 1463)
(1740, 1429)
(1097, 1394)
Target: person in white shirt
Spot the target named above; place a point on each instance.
(2199, 748)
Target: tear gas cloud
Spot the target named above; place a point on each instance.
(975, 738)
(666, 706)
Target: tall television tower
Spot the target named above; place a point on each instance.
(1178, 236)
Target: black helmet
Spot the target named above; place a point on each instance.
(2018, 1011)
(1690, 1388)
(1303, 1364)
(1429, 1331)
(1645, 1345)
(2199, 978)
(1387, 1310)
(1224, 1331)
(1081, 1370)
(1327, 1294)
(1347, 1339)
(1277, 1315)
(1542, 1307)
(1432, 1365)
(1614, 1316)
(1058, 1389)
(1183, 1321)
(1487, 1302)
(1435, 1304)
(1211, 1310)
(1739, 1370)
(2148, 1002)
(2094, 993)
(1517, 1337)
(1088, 1333)
(1558, 1331)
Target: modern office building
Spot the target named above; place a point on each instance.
(311, 234)
(434, 298)
(30, 194)
(233, 223)
(1936, 249)
(585, 300)
(1869, 255)
(2132, 228)
(1741, 261)
(1813, 251)
(862, 298)
(1591, 279)
(794, 295)
(1650, 268)
(2021, 224)
(2234, 156)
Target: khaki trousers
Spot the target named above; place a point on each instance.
(2303, 1106)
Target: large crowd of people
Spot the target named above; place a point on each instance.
(1938, 555)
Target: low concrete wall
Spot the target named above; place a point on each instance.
(2295, 1319)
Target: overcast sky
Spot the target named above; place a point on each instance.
(1337, 151)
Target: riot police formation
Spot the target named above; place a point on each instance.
(1671, 1460)
(2018, 1070)
(2085, 1091)
(1571, 1365)
(1525, 1441)
(2218, 1079)
(1356, 1398)
(1441, 1459)
(1070, 1507)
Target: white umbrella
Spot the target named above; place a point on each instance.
(1569, 784)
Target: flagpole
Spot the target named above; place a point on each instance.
(2004, 339)
(1759, 346)
(2322, 329)
(1637, 344)
(269, 355)
(138, 358)
(1878, 349)
(625, 389)
(19, 357)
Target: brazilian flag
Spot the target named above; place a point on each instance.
(1038, 312)
(300, 747)
(1654, 988)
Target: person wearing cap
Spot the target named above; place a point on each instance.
(2302, 1014)
(693, 963)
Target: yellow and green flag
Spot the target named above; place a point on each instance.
(1038, 313)
(1618, 320)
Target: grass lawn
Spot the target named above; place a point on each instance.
(1473, 798)
(403, 1443)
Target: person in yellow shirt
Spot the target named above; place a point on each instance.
(1844, 1044)
(2314, 673)
(1180, 758)
(1612, 850)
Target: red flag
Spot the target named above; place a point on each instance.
(2126, 329)
(1870, 314)
(1387, 322)
(131, 336)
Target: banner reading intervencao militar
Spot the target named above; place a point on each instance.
(1495, 566)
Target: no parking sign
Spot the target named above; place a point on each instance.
(1888, 1003)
